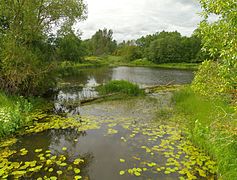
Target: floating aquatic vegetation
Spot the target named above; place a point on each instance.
(112, 131)
(122, 173)
(155, 149)
(122, 160)
(26, 168)
(8, 142)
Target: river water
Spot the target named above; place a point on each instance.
(81, 85)
(111, 140)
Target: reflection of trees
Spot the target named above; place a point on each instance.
(67, 135)
(88, 158)
(68, 98)
(101, 75)
(54, 140)
(66, 138)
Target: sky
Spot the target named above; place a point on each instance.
(131, 19)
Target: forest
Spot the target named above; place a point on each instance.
(40, 48)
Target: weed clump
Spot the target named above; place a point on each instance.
(120, 86)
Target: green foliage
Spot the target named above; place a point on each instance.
(142, 62)
(210, 82)
(211, 125)
(167, 47)
(129, 50)
(120, 86)
(219, 41)
(13, 113)
(70, 48)
(26, 53)
(101, 43)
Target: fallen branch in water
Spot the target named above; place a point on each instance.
(96, 98)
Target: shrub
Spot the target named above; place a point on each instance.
(210, 81)
(13, 113)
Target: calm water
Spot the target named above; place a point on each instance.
(127, 143)
(140, 75)
(89, 78)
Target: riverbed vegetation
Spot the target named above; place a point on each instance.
(120, 86)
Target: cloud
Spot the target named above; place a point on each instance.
(130, 19)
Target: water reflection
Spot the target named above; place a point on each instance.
(81, 86)
(152, 76)
(133, 121)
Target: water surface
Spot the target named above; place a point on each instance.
(119, 140)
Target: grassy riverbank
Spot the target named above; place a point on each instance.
(211, 125)
(121, 61)
(68, 67)
(15, 112)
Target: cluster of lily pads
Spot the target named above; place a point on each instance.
(178, 154)
(52, 166)
(163, 148)
(44, 121)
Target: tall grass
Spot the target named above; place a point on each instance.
(211, 125)
(120, 86)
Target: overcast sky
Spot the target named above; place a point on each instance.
(130, 19)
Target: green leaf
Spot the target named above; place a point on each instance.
(77, 177)
(38, 150)
(122, 173)
(77, 171)
(64, 148)
(59, 172)
(122, 160)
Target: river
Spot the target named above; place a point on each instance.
(111, 140)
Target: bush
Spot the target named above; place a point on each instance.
(210, 81)
(120, 86)
(14, 113)
(142, 62)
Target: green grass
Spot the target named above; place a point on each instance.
(15, 112)
(191, 66)
(120, 61)
(66, 68)
(120, 86)
(211, 125)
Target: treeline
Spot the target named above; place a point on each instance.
(168, 47)
(163, 47)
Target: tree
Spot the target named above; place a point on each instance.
(167, 47)
(129, 50)
(24, 68)
(220, 42)
(70, 47)
(102, 42)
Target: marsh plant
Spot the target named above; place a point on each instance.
(14, 113)
(120, 86)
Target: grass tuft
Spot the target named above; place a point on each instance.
(120, 86)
